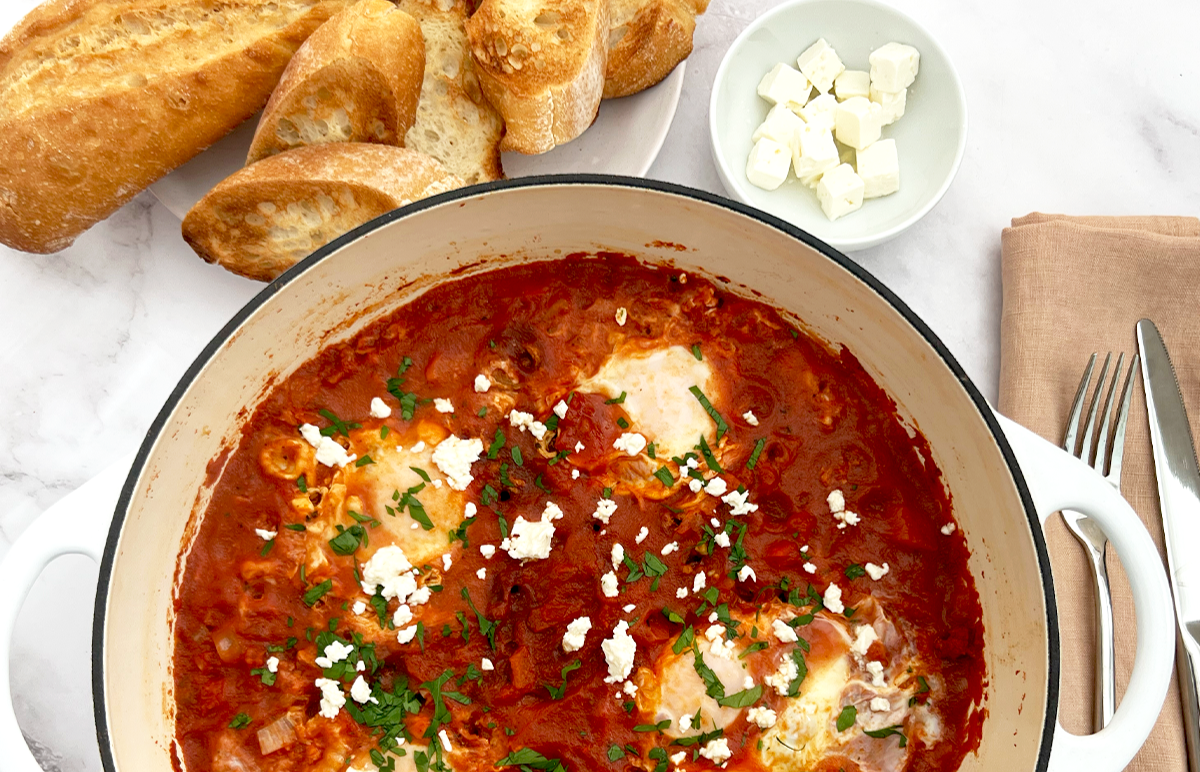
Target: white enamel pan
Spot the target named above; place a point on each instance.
(1004, 480)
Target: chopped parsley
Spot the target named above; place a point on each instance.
(742, 699)
(316, 592)
(302, 484)
(621, 422)
(517, 458)
(348, 540)
(854, 570)
(758, 449)
(363, 461)
(294, 526)
(709, 458)
(527, 758)
(651, 450)
(557, 692)
(665, 477)
(661, 725)
(616, 400)
(846, 718)
(486, 626)
(684, 640)
(888, 731)
(336, 425)
(722, 427)
(696, 352)
(266, 548)
(497, 443)
(240, 721)
(460, 533)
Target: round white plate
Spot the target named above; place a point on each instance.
(625, 139)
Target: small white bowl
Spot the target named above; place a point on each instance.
(930, 138)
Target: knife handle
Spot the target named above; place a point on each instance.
(1189, 688)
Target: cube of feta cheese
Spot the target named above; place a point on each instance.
(857, 122)
(893, 67)
(821, 65)
(781, 125)
(892, 103)
(840, 191)
(819, 113)
(815, 154)
(852, 83)
(879, 168)
(768, 164)
(784, 86)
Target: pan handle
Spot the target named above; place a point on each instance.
(77, 524)
(1057, 481)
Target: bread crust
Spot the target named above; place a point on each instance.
(268, 216)
(542, 65)
(356, 79)
(77, 142)
(647, 39)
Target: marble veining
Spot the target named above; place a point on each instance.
(1076, 107)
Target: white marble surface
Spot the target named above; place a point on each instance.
(1083, 107)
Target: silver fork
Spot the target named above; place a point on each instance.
(1104, 455)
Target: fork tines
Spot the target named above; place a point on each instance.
(1102, 450)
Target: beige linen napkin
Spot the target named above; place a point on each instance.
(1074, 285)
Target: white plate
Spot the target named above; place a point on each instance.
(930, 138)
(625, 139)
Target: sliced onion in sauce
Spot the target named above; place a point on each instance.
(280, 733)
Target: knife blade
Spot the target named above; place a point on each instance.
(1178, 476)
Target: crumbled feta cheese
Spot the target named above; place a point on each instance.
(332, 698)
(402, 616)
(669, 548)
(443, 405)
(529, 540)
(621, 316)
(685, 723)
(379, 408)
(551, 512)
(630, 443)
(629, 607)
(876, 572)
(739, 503)
(695, 485)
(876, 671)
(699, 582)
(272, 664)
(722, 540)
(526, 421)
(445, 738)
(266, 535)
(845, 518)
(619, 651)
(335, 652)
(748, 682)
(693, 463)
(618, 556)
(482, 384)
(574, 474)
(782, 678)
(481, 573)
(419, 447)
(783, 631)
(389, 570)
(641, 535)
(470, 509)
(630, 688)
(420, 597)
(864, 636)
(746, 573)
(358, 607)
(487, 550)
(608, 584)
(360, 692)
(486, 665)
(836, 501)
(764, 717)
(948, 529)
(681, 593)
(833, 599)
(576, 632)
(810, 568)
(405, 635)
(717, 751)
(360, 666)
(454, 457)
(447, 561)
(678, 758)
(604, 510)
(881, 705)
(716, 487)
(750, 418)
(715, 522)
(329, 452)
(560, 409)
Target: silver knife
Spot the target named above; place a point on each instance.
(1179, 498)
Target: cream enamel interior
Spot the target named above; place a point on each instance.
(372, 275)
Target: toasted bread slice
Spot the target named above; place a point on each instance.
(541, 62)
(271, 214)
(646, 40)
(100, 98)
(455, 122)
(356, 79)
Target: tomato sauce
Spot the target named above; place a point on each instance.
(823, 425)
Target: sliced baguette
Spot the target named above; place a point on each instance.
(100, 98)
(268, 216)
(542, 63)
(455, 122)
(356, 79)
(646, 40)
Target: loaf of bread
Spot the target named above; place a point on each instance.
(356, 79)
(99, 98)
(646, 40)
(542, 65)
(268, 216)
(455, 122)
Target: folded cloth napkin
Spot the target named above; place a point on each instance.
(1074, 285)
